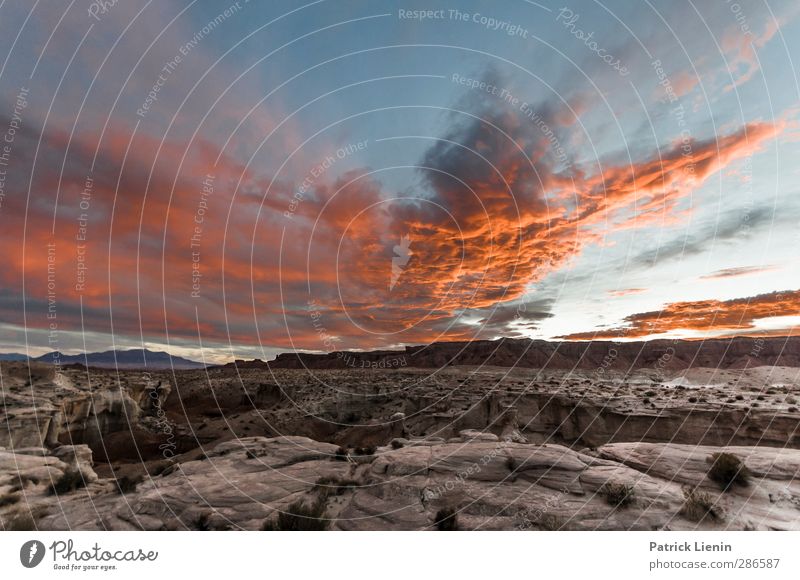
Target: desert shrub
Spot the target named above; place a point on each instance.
(397, 444)
(446, 520)
(9, 499)
(512, 463)
(251, 454)
(728, 470)
(202, 522)
(551, 523)
(69, 481)
(299, 517)
(341, 454)
(127, 484)
(366, 450)
(352, 418)
(618, 494)
(698, 505)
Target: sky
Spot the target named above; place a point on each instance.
(232, 180)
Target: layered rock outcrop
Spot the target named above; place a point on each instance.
(732, 353)
(490, 484)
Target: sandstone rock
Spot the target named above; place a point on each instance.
(78, 458)
(473, 435)
(493, 485)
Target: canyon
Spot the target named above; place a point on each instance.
(396, 439)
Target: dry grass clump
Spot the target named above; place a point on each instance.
(618, 494)
(728, 470)
(698, 506)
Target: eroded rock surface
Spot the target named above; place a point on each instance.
(491, 485)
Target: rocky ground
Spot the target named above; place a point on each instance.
(474, 447)
(488, 485)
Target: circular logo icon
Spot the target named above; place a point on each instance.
(31, 553)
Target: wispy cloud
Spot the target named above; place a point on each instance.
(627, 291)
(739, 271)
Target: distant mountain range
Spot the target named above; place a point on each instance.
(729, 353)
(123, 359)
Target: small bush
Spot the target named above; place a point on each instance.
(698, 505)
(728, 470)
(341, 454)
(618, 494)
(299, 517)
(446, 520)
(365, 451)
(251, 454)
(352, 418)
(512, 464)
(127, 484)
(551, 523)
(397, 444)
(69, 481)
(202, 522)
(8, 500)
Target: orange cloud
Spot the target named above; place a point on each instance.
(494, 216)
(703, 315)
(627, 291)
